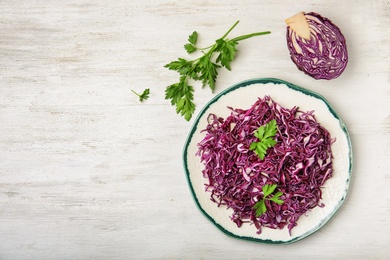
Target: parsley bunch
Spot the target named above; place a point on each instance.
(204, 69)
(260, 207)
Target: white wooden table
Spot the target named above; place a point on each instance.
(88, 172)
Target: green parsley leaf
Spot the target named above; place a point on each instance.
(176, 91)
(270, 129)
(253, 146)
(181, 65)
(181, 95)
(185, 106)
(268, 189)
(144, 95)
(189, 48)
(265, 134)
(208, 72)
(260, 207)
(276, 197)
(193, 38)
(227, 52)
(204, 68)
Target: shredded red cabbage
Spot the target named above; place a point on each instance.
(325, 55)
(299, 163)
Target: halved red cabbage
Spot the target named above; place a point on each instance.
(316, 45)
(299, 163)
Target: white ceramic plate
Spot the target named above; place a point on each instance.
(243, 95)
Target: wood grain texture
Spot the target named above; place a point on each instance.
(88, 172)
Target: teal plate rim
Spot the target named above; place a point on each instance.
(291, 86)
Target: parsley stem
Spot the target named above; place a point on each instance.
(205, 48)
(226, 34)
(135, 93)
(246, 36)
(236, 39)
